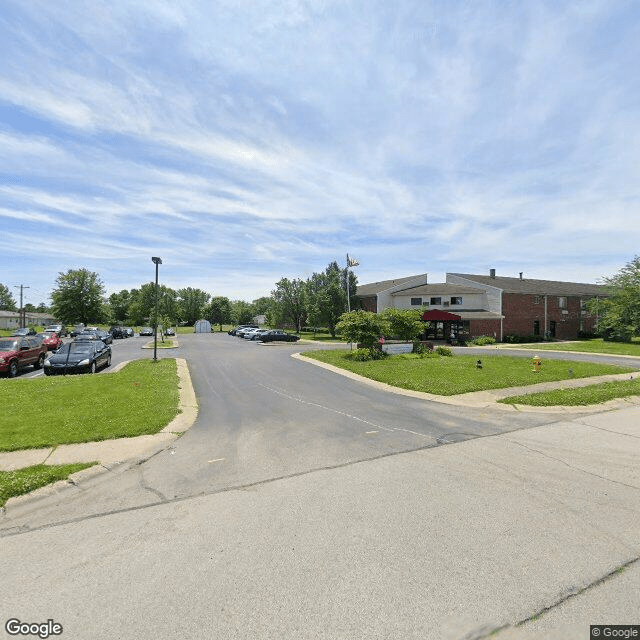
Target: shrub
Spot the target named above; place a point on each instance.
(364, 355)
(444, 351)
(483, 340)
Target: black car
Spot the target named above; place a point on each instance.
(84, 356)
(95, 334)
(118, 332)
(275, 335)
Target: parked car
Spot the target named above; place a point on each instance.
(118, 332)
(83, 356)
(95, 334)
(51, 340)
(79, 328)
(58, 329)
(146, 331)
(24, 331)
(241, 331)
(170, 331)
(255, 334)
(18, 352)
(274, 335)
(130, 332)
(233, 332)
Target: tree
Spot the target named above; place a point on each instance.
(326, 297)
(78, 297)
(618, 317)
(119, 303)
(362, 327)
(241, 312)
(7, 302)
(191, 303)
(289, 301)
(218, 311)
(404, 324)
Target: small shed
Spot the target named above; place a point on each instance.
(202, 326)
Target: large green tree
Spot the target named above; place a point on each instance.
(326, 297)
(404, 324)
(191, 304)
(618, 316)
(218, 311)
(362, 327)
(241, 312)
(119, 303)
(7, 302)
(78, 297)
(289, 302)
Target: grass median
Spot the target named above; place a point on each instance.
(579, 396)
(597, 345)
(451, 375)
(21, 481)
(140, 399)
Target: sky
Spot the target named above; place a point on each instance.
(244, 142)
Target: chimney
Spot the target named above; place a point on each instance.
(521, 275)
(492, 273)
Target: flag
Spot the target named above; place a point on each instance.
(352, 262)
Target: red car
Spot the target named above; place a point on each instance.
(51, 340)
(18, 352)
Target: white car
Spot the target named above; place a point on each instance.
(254, 333)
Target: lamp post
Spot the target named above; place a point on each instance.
(156, 261)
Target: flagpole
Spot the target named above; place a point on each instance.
(348, 300)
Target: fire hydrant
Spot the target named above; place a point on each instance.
(537, 363)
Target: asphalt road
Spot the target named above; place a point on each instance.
(302, 504)
(263, 416)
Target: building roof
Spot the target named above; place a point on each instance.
(374, 288)
(537, 287)
(439, 288)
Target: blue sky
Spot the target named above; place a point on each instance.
(247, 141)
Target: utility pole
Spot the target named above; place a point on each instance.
(23, 317)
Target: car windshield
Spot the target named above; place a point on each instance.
(8, 345)
(76, 347)
(48, 334)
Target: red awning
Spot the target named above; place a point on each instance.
(436, 315)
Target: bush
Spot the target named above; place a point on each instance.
(364, 355)
(444, 351)
(482, 340)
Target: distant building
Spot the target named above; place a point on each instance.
(492, 305)
(12, 319)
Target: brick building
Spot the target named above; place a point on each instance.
(492, 305)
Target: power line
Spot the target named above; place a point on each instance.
(23, 315)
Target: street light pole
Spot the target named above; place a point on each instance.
(156, 261)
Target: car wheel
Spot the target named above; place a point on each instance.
(108, 362)
(92, 369)
(38, 365)
(13, 369)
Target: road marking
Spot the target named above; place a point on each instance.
(370, 432)
(218, 460)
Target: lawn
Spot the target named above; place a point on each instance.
(450, 375)
(21, 481)
(142, 398)
(580, 396)
(597, 345)
(320, 335)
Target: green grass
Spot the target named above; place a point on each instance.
(579, 396)
(443, 375)
(21, 481)
(321, 335)
(597, 345)
(140, 399)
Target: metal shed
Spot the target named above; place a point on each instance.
(202, 326)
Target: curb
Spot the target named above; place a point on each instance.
(489, 398)
(147, 445)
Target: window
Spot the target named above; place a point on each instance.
(536, 299)
(536, 327)
(456, 300)
(416, 302)
(562, 302)
(436, 301)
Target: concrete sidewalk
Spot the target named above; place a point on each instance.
(109, 452)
